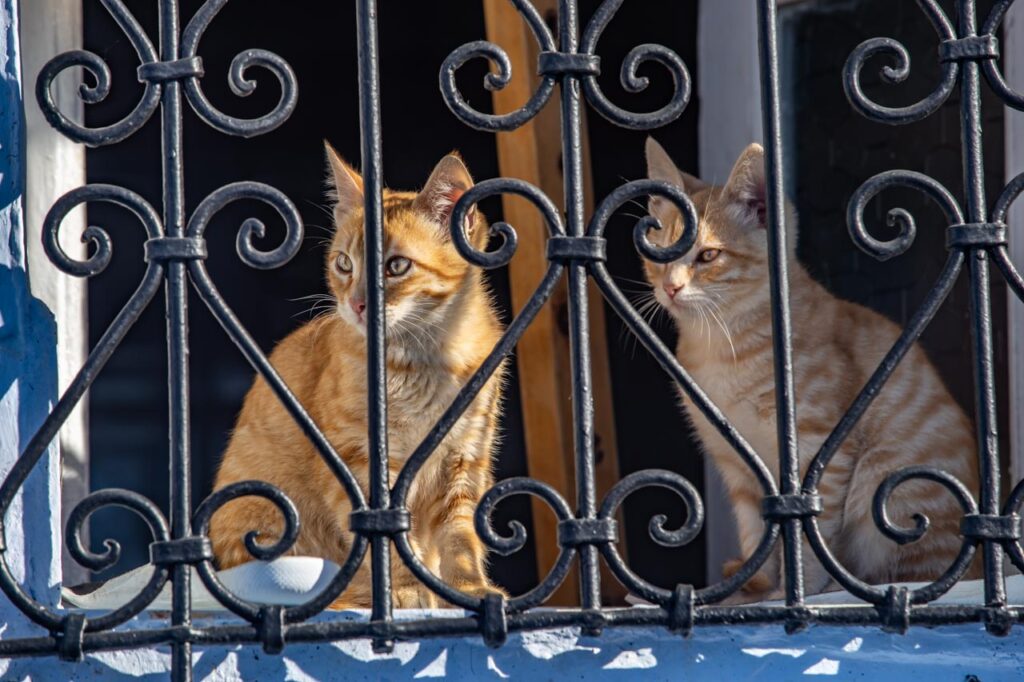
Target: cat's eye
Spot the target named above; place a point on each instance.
(343, 263)
(397, 265)
(708, 255)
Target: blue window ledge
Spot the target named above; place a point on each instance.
(721, 654)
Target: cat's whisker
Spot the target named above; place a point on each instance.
(320, 207)
(643, 283)
(716, 313)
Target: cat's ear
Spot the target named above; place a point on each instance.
(344, 183)
(746, 186)
(660, 167)
(449, 180)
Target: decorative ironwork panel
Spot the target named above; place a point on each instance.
(171, 72)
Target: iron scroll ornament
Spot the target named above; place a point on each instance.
(175, 255)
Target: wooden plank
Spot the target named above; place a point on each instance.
(537, 354)
(532, 153)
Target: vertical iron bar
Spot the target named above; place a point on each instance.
(579, 323)
(377, 409)
(981, 306)
(177, 341)
(789, 465)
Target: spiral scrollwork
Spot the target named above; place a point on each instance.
(482, 49)
(990, 67)
(239, 83)
(95, 65)
(1000, 254)
(98, 261)
(904, 536)
(897, 217)
(1012, 506)
(158, 528)
(253, 228)
(630, 78)
(678, 537)
(639, 188)
(898, 72)
(509, 239)
(289, 534)
(506, 545)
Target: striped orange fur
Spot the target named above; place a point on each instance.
(441, 324)
(718, 295)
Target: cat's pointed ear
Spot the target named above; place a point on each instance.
(449, 180)
(746, 186)
(345, 184)
(660, 167)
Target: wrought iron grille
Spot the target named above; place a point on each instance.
(171, 73)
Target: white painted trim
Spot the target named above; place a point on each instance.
(729, 91)
(55, 165)
(1013, 66)
(730, 119)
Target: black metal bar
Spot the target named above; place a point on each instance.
(579, 321)
(174, 252)
(785, 402)
(177, 341)
(981, 306)
(376, 361)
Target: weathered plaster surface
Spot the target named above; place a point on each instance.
(28, 365)
(714, 654)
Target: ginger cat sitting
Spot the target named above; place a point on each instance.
(441, 324)
(718, 294)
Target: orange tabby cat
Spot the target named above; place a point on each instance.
(441, 324)
(718, 294)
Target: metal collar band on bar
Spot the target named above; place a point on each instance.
(586, 533)
(568, 64)
(175, 249)
(569, 249)
(179, 69)
(966, 235)
(969, 49)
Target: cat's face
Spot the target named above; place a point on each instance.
(728, 265)
(423, 273)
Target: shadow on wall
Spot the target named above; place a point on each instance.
(713, 654)
(28, 366)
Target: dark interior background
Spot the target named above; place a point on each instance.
(831, 150)
(128, 437)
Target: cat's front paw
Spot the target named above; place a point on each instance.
(481, 590)
(414, 598)
(758, 583)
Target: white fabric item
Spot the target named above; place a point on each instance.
(964, 592)
(294, 580)
(286, 581)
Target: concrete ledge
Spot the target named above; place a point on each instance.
(952, 653)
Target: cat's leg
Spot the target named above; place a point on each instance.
(750, 527)
(464, 557)
(462, 554)
(875, 558)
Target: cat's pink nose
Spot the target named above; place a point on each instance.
(671, 290)
(358, 305)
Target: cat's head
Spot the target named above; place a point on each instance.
(727, 267)
(423, 273)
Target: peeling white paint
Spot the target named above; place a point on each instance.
(362, 650)
(546, 644)
(761, 653)
(491, 665)
(436, 668)
(633, 660)
(825, 666)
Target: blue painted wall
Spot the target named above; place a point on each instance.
(28, 359)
